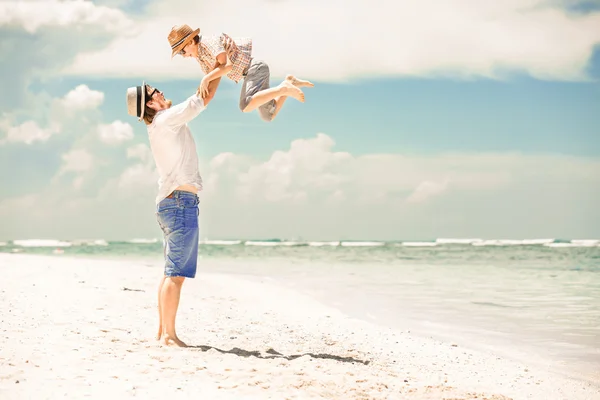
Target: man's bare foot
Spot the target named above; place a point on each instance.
(172, 341)
(298, 82)
(292, 91)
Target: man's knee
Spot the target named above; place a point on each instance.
(178, 280)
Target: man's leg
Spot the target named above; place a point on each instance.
(181, 260)
(170, 295)
(160, 319)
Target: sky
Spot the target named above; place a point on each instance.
(428, 119)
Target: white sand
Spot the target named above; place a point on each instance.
(69, 330)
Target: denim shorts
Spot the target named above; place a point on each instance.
(178, 218)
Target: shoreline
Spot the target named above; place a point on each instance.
(96, 319)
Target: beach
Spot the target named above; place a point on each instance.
(85, 328)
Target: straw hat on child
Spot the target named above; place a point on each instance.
(180, 36)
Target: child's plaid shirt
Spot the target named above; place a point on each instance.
(240, 55)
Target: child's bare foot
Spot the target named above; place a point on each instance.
(298, 82)
(172, 341)
(292, 91)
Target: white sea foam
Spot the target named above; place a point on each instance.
(488, 243)
(456, 241)
(267, 243)
(258, 243)
(582, 243)
(87, 242)
(362, 244)
(513, 242)
(537, 241)
(586, 242)
(41, 243)
(318, 244)
(3, 244)
(221, 242)
(419, 244)
(143, 241)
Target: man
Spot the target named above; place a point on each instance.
(174, 152)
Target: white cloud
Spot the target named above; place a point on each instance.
(398, 38)
(311, 171)
(59, 113)
(82, 98)
(308, 164)
(426, 190)
(115, 133)
(140, 151)
(138, 175)
(76, 160)
(313, 191)
(76, 14)
(28, 132)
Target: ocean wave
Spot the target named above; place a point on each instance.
(589, 243)
(221, 242)
(419, 244)
(41, 243)
(3, 244)
(142, 241)
(537, 241)
(319, 244)
(456, 241)
(362, 244)
(513, 242)
(586, 242)
(88, 242)
(272, 243)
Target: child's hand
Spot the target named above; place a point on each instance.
(203, 88)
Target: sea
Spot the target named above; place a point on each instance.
(532, 300)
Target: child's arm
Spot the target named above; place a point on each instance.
(223, 66)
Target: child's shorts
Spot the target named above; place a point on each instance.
(257, 79)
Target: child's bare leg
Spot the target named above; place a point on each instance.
(277, 93)
(278, 104)
(298, 82)
(280, 100)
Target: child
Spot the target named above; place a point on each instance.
(221, 55)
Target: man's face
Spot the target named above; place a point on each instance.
(153, 93)
(155, 98)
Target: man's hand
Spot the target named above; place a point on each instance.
(212, 89)
(203, 88)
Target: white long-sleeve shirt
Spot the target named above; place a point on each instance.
(173, 146)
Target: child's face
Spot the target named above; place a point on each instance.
(190, 50)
